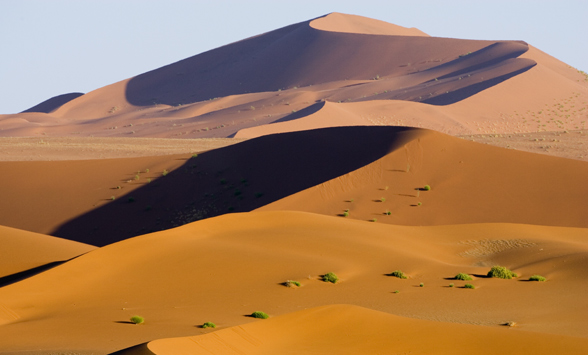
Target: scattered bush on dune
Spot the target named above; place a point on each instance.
(399, 274)
(537, 278)
(137, 320)
(427, 188)
(463, 277)
(291, 283)
(501, 272)
(260, 315)
(208, 325)
(469, 286)
(330, 277)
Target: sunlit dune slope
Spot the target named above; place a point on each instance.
(346, 329)
(222, 269)
(469, 182)
(22, 250)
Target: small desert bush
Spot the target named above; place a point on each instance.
(330, 277)
(292, 283)
(463, 277)
(165, 172)
(208, 325)
(451, 285)
(258, 314)
(427, 188)
(346, 214)
(137, 319)
(537, 278)
(422, 285)
(469, 286)
(195, 156)
(501, 272)
(399, 274)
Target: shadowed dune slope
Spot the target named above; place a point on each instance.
(22, 250)
(346, 329)
(53, 103)
(470, 183)
(224, 268)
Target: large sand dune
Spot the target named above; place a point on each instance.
(222, 269)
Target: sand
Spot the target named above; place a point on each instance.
(193, 192)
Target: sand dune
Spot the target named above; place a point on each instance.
(471, 183)
(223, 268)
(344, 329)
(337, 58)
(22, 251)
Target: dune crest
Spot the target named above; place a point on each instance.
(338, 22)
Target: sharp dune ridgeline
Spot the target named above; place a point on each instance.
(352, 180)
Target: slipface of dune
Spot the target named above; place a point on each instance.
(221, 269)
(345, 329)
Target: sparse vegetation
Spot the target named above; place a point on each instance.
(463, 277)
(396, 291)
(501, 272)
(208, 325)
(421, 285)
(427, 188)
(373, 220)
(469, 286)
(387, 213)
(510, 324)
(398, 273)
(537, 278)
(165, 172)
(382, 199)
(419, 203)
(137, 320)
(195, 156)
(260, 315)
(112, 198)
(346, 214)
(451, 285)
(292, 283)
(330, 277)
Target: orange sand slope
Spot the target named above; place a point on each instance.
(470, 183)
(22, 250)
(345, 329)
(338, 58)
(224, 268)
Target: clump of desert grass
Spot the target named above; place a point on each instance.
(292, 283)
(463, 277)
(208, 325)
(501, 272)
(330, 277)
(398, 273)
(260, 315)
(537, 278)
(137, 320)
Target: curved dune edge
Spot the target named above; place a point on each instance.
(337, 22)
(224, 268)
(348, 329)
(22, 250)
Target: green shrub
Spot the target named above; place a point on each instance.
(292, 283)
(112, 198)
(137, 319)
(208, 325)
(399, 274)
(451, 285)
(422, 285)
(463, 277)
(330, 277)
(469, 286)
(396, 291)
(373, 220)
(194, 156)
(346, 214)
(388, 213)
(382, 199)
(164, 173)
(427, 188)
(501, 272)
(258, 314)
(537, 278)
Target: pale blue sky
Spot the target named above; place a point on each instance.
(52, 47)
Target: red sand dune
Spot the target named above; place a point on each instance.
(224, 268)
